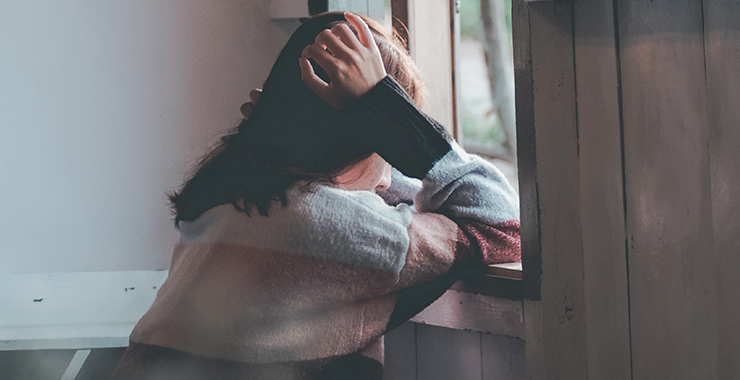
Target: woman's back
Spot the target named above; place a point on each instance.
(308, 291)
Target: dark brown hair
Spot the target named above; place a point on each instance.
(291, 135)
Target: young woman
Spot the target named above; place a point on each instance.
(289, 266)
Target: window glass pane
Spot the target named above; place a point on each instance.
(487, 83)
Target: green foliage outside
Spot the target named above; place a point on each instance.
(482, 127)
(470, 17)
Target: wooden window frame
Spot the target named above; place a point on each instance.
(434, 49)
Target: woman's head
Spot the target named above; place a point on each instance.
(370, 174)
(291, 135)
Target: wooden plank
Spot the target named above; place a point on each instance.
(65, 336)
(34, 365)
(445, 354)
(430, 45)
(474, 312)
(526, 151)
(400, 21)
(556, 333)
(602, 200)
(501, 280)
(456, 74)
(510, 270)
(722, 52)
(672, 268)
(535, 341)
(74, 310)
(400, 353)
(489, 285)
(502, 358)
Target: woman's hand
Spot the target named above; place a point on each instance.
(352, 62)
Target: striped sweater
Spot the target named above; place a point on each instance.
(309, 291)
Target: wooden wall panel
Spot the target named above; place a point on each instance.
(672, 268)
(445, 354)
(502, 358)
(556, 340)
(722, 49)
(526, 151)
(602, 200)
(400, 353)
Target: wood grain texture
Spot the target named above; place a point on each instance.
(602, 200)
(561, 318)
(502, 358)
(445, 354)
(400, 353)
(456, 71)
(535, 341)
(526, 151)
(430, 45)
(672, 268)
(475, 312)
(490, 285)
(722, 49)
(400, 13)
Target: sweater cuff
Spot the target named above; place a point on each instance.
(394, 128)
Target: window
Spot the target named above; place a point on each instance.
(440, 53)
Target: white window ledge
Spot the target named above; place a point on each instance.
(87, 310)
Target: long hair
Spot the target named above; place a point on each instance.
(291, 136)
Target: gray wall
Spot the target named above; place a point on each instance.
(103, 108)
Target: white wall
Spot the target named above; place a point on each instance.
(104, 105)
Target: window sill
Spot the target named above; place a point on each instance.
(489, 303)
(501, 280)
(52, 310)
(78, 310)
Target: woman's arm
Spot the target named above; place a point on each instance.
(467, 213)
(465, 188)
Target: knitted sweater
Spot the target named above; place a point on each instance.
(308, 291)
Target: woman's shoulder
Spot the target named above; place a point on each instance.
(355, 227)
(322, 202)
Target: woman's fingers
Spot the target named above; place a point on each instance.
(309, 77)
(354, 68)
(346, 35)
(363, 31)
(322, 57)
(337, 48)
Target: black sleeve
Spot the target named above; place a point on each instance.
(389, 123)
